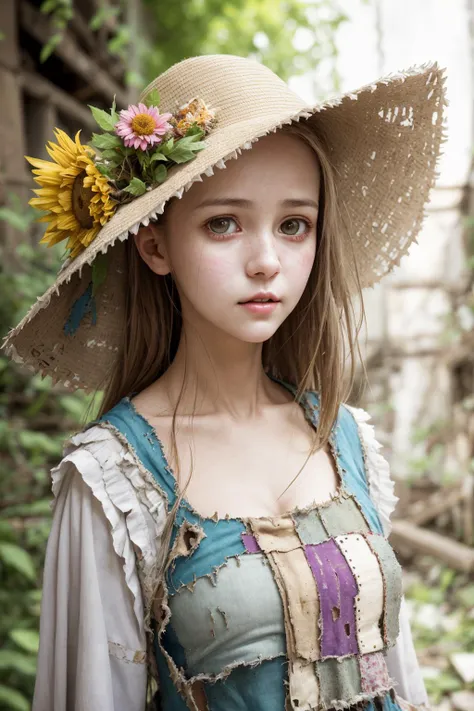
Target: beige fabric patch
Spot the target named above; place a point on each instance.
(299, 594)
(294, 575)
(370, 600)
(275, 534)
(304, 686)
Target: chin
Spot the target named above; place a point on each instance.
(259, 334)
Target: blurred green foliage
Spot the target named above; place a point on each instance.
(35, 419)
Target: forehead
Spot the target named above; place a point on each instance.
(284, 163)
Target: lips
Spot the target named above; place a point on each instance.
(261, 298)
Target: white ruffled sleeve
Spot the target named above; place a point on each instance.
(402, 662)
(107, 515)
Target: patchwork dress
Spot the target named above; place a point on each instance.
(298, 611)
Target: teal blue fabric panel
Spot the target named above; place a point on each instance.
(170, 698)
(223, 539)
(352, 462)
(259, 688)
(142, 438)
(310, 528)
(389, 704)
(239, 618)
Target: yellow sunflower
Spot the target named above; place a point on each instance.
(73, 193)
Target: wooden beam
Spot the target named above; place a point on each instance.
(39, 27)
(437, 503)
(419, 540)
(40, 88)
(9, 48)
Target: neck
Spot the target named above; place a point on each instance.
(221, 375)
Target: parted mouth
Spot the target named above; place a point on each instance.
(262, 297)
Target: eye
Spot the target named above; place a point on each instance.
(221, 225)
(295, 227)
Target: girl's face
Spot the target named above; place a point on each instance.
(250, 228)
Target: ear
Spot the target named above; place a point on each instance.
(150, 243)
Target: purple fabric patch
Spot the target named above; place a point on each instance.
(337, 589)
(250, 543)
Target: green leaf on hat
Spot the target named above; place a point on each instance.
(195, 130)
(105, 170)
(152, 99)
(105, 120)
(135, 187)
(167, 147)
(99, 272)
(105, 141)
(160, 173)
(185, 149)
(158, 156)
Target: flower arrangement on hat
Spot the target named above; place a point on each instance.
(81, 188)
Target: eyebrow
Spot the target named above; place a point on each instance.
(240, 202)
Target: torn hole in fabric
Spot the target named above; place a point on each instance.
(303, 686)
(338, 590)
(221, 542)
(369, 602)
(234, 621)
(188, 538)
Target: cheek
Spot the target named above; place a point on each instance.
(302, 264)
(201, 273)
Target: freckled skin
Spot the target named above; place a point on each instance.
(213, 274)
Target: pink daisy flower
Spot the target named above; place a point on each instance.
(142, 126)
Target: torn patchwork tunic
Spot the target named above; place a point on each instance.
(299, 611)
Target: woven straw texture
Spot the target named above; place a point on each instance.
(384, 142)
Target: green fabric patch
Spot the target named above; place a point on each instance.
(339, 680)
(310, 529)
(343, 516)
(392, 576)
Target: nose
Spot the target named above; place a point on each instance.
(263, 258)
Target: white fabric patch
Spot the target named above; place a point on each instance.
(370, 600)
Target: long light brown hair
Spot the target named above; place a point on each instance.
(314, 348)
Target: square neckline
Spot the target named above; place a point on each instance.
(311, 415)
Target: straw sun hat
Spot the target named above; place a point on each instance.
(384, 142)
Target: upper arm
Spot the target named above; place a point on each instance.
(92, 635)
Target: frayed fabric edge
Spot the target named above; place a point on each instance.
(101, 468)
(381, 484)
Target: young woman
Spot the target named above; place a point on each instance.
(222, 526)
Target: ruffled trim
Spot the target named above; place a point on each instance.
(134, 508)
(381, 485)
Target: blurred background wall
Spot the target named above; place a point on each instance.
(58, 56)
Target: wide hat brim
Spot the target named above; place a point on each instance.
(384, 142)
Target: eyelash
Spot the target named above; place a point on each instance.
(218, 237)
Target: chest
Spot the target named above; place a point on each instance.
(244, 470)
